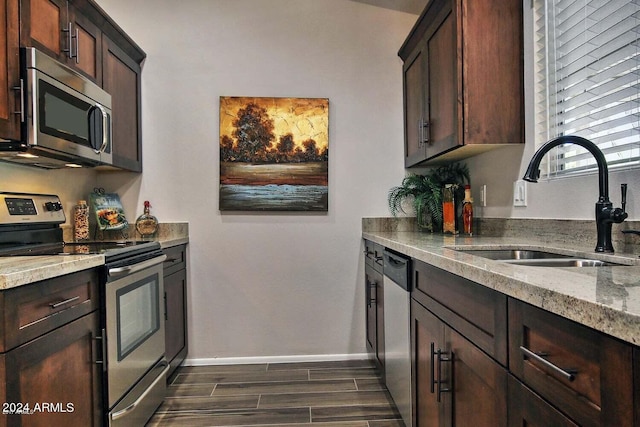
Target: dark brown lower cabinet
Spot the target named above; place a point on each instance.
(175, 293)
(427, 332)
(57, 376)
(375, 315)
(455, 383)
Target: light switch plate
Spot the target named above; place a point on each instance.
(520, 193)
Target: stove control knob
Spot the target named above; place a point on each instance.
(53, 206)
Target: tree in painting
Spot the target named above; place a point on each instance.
(254, 133)
(273, 153)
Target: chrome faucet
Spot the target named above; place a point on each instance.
(606, 214)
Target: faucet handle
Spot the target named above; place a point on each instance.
(623, 188)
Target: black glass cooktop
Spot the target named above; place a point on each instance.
(107, 248)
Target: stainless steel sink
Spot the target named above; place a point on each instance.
(534, 258)
(512, 254)
(561, 262)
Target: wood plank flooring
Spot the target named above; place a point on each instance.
(316, 394)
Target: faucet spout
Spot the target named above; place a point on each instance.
(533, 173)
(606, 215)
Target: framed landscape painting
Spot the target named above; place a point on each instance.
(274, 154)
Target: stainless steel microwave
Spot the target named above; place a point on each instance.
(66, 118)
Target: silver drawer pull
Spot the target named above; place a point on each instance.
(61, 303)
(569, 374)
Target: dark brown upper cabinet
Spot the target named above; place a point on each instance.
(463, 80)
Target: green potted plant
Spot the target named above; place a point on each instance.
(425, 193)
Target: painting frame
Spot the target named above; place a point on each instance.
(274, 154)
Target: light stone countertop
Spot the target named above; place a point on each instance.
(604, 298)
(23, 270)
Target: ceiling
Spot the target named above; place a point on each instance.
(410, 6)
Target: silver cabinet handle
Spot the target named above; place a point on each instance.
(61, 303)
(77, 55)
(130, 269)
(442, 357)
(103, 342)
(370, 299)
(20, 90)
(69, 40)
(135, 404)
(425, 133)
(569, 374)
(437, 357)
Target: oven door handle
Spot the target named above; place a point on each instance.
(135, 404)
(130, 269)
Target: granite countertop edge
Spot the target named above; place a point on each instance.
(606, 299)
(23, 270)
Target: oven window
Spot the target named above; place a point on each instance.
(137, 314)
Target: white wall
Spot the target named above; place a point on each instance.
(70, 184)
(267, 284)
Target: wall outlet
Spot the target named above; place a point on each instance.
(520, 193)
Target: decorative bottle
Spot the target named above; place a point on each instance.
(147, 224)
(81, 221)
(467, 211)
(449, 209)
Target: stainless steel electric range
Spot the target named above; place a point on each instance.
(132, 301)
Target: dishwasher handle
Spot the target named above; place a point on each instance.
(398, 269)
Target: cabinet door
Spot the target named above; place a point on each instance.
(175, 288)
(86, 46)
(527, 409)
(374, 314)
(414, 108)
(9, 71)
(370, 310)
(121, 78)
(478, 387)
(441, 64)
(58, 374)
(43, 24)
(427, 337)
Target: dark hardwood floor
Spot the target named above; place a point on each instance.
(320, 394)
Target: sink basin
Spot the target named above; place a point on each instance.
(561, 262)
(512, 254)
(534, 258)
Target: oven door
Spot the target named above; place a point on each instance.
(134, 315)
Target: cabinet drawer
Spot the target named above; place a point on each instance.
(582, 371)
(33, 310)
(176, 259)
(528, 409)
(477, 312)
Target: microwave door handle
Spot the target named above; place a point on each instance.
(105, 123)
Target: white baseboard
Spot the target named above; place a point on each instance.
(273, 359)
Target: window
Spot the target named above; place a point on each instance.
(587, 58)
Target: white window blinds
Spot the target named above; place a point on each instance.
(588, 81)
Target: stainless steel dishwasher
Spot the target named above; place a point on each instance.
(397, 326)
